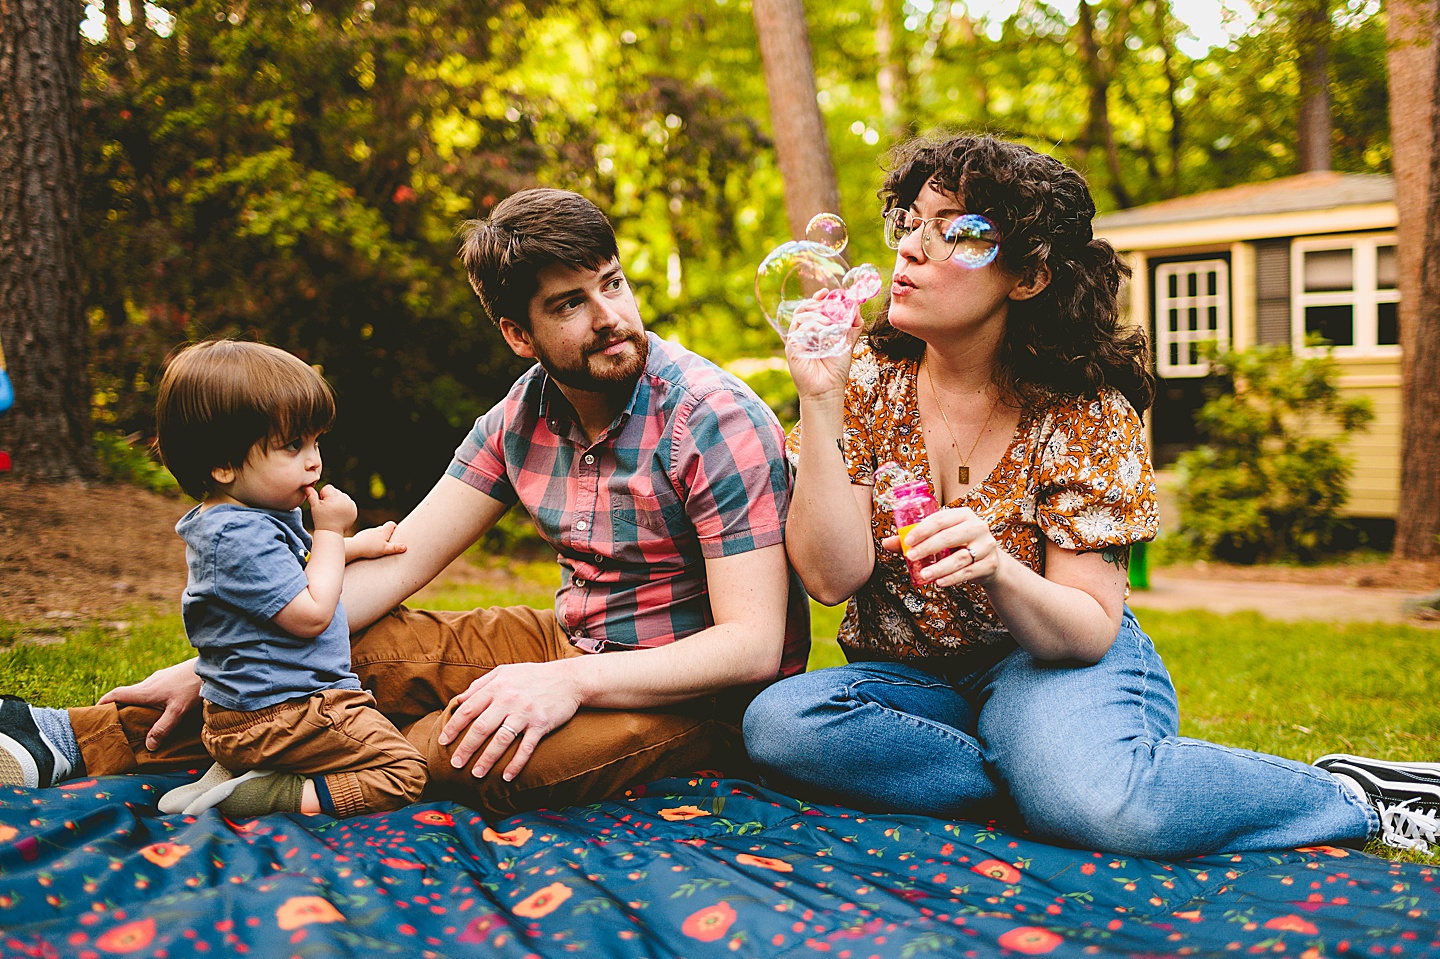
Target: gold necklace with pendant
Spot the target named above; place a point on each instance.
(965, 461)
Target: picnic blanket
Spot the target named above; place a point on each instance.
(682, 867)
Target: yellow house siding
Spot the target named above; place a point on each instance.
(1375, 482)
(1242, 296)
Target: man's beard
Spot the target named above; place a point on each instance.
(597, 374)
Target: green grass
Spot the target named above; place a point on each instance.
(1293, 689)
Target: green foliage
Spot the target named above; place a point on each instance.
(777, 389)
(1270, 480)
(125, 460)
(296, 172)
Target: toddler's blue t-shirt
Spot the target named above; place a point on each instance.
(246, 565)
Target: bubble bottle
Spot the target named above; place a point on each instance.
(913, 502)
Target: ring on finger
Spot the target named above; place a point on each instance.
(969, 554)
(513, 732)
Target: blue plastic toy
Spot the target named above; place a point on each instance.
(7, 399)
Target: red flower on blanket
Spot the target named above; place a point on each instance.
(432, 817)
(131, 937)
(709, 923)
(300, 911)
(996, 869)
(682, 813)
(480, 928)
(1292, 924)
(165, 854)
(394, 863)
(543, 902)
(8, 833)
(1031, 940)
(1325, 851)
(764, 862)
(515, 837)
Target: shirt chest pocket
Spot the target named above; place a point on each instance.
(657, 511)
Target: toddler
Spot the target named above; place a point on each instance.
(285, 719)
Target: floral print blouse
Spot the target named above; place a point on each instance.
(1077, 473)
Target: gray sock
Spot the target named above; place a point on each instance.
(54, 725)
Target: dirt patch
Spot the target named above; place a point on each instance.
(77, 551)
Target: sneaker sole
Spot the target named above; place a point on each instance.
(17, 766)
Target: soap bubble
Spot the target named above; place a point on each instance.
(807, 294)
(828, 230)
(976, 241)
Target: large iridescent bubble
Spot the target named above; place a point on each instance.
(808, 295)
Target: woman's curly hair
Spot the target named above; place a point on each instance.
(1069, 338)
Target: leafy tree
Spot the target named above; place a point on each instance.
(296, 172)
(1270, 480)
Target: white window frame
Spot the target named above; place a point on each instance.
(1182, 302)
(1364, 298)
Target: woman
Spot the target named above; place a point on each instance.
(1001, 375)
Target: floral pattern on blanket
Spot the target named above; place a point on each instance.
(683, 867)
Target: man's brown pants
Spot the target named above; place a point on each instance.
(416, 662)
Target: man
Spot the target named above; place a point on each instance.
(660, 481)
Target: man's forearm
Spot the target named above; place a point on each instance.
(451, 517)
(715, 659)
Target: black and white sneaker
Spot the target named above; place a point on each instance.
(27, 758)
(1405, 794)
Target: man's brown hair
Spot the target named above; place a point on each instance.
(219, 398)
(526, 233)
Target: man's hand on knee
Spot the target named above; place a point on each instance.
(175, 690)
(523, 701)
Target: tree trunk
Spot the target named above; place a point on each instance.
(1413, 32)
(893, 77)
(1313, 131)
(802, 147)
(1164, 27)
(42, 323)
(1098, 130)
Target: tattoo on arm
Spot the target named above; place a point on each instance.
(840, 445)
(1118, 556)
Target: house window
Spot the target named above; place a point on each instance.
(1192, 307)
(1346, 291)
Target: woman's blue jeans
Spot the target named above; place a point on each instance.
(1089, 755)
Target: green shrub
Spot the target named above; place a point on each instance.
(126, 460)
(777, 389)
(1270, 480)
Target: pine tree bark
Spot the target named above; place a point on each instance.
(42, 321)
(1099, 132)
(1413, 35)
(802, 147)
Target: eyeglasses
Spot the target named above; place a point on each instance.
(969, 239)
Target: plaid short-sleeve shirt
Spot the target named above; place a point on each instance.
(693, 468)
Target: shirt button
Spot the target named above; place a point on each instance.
(582, 526)
(599, 559)
(589, 458)
(579, 581)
